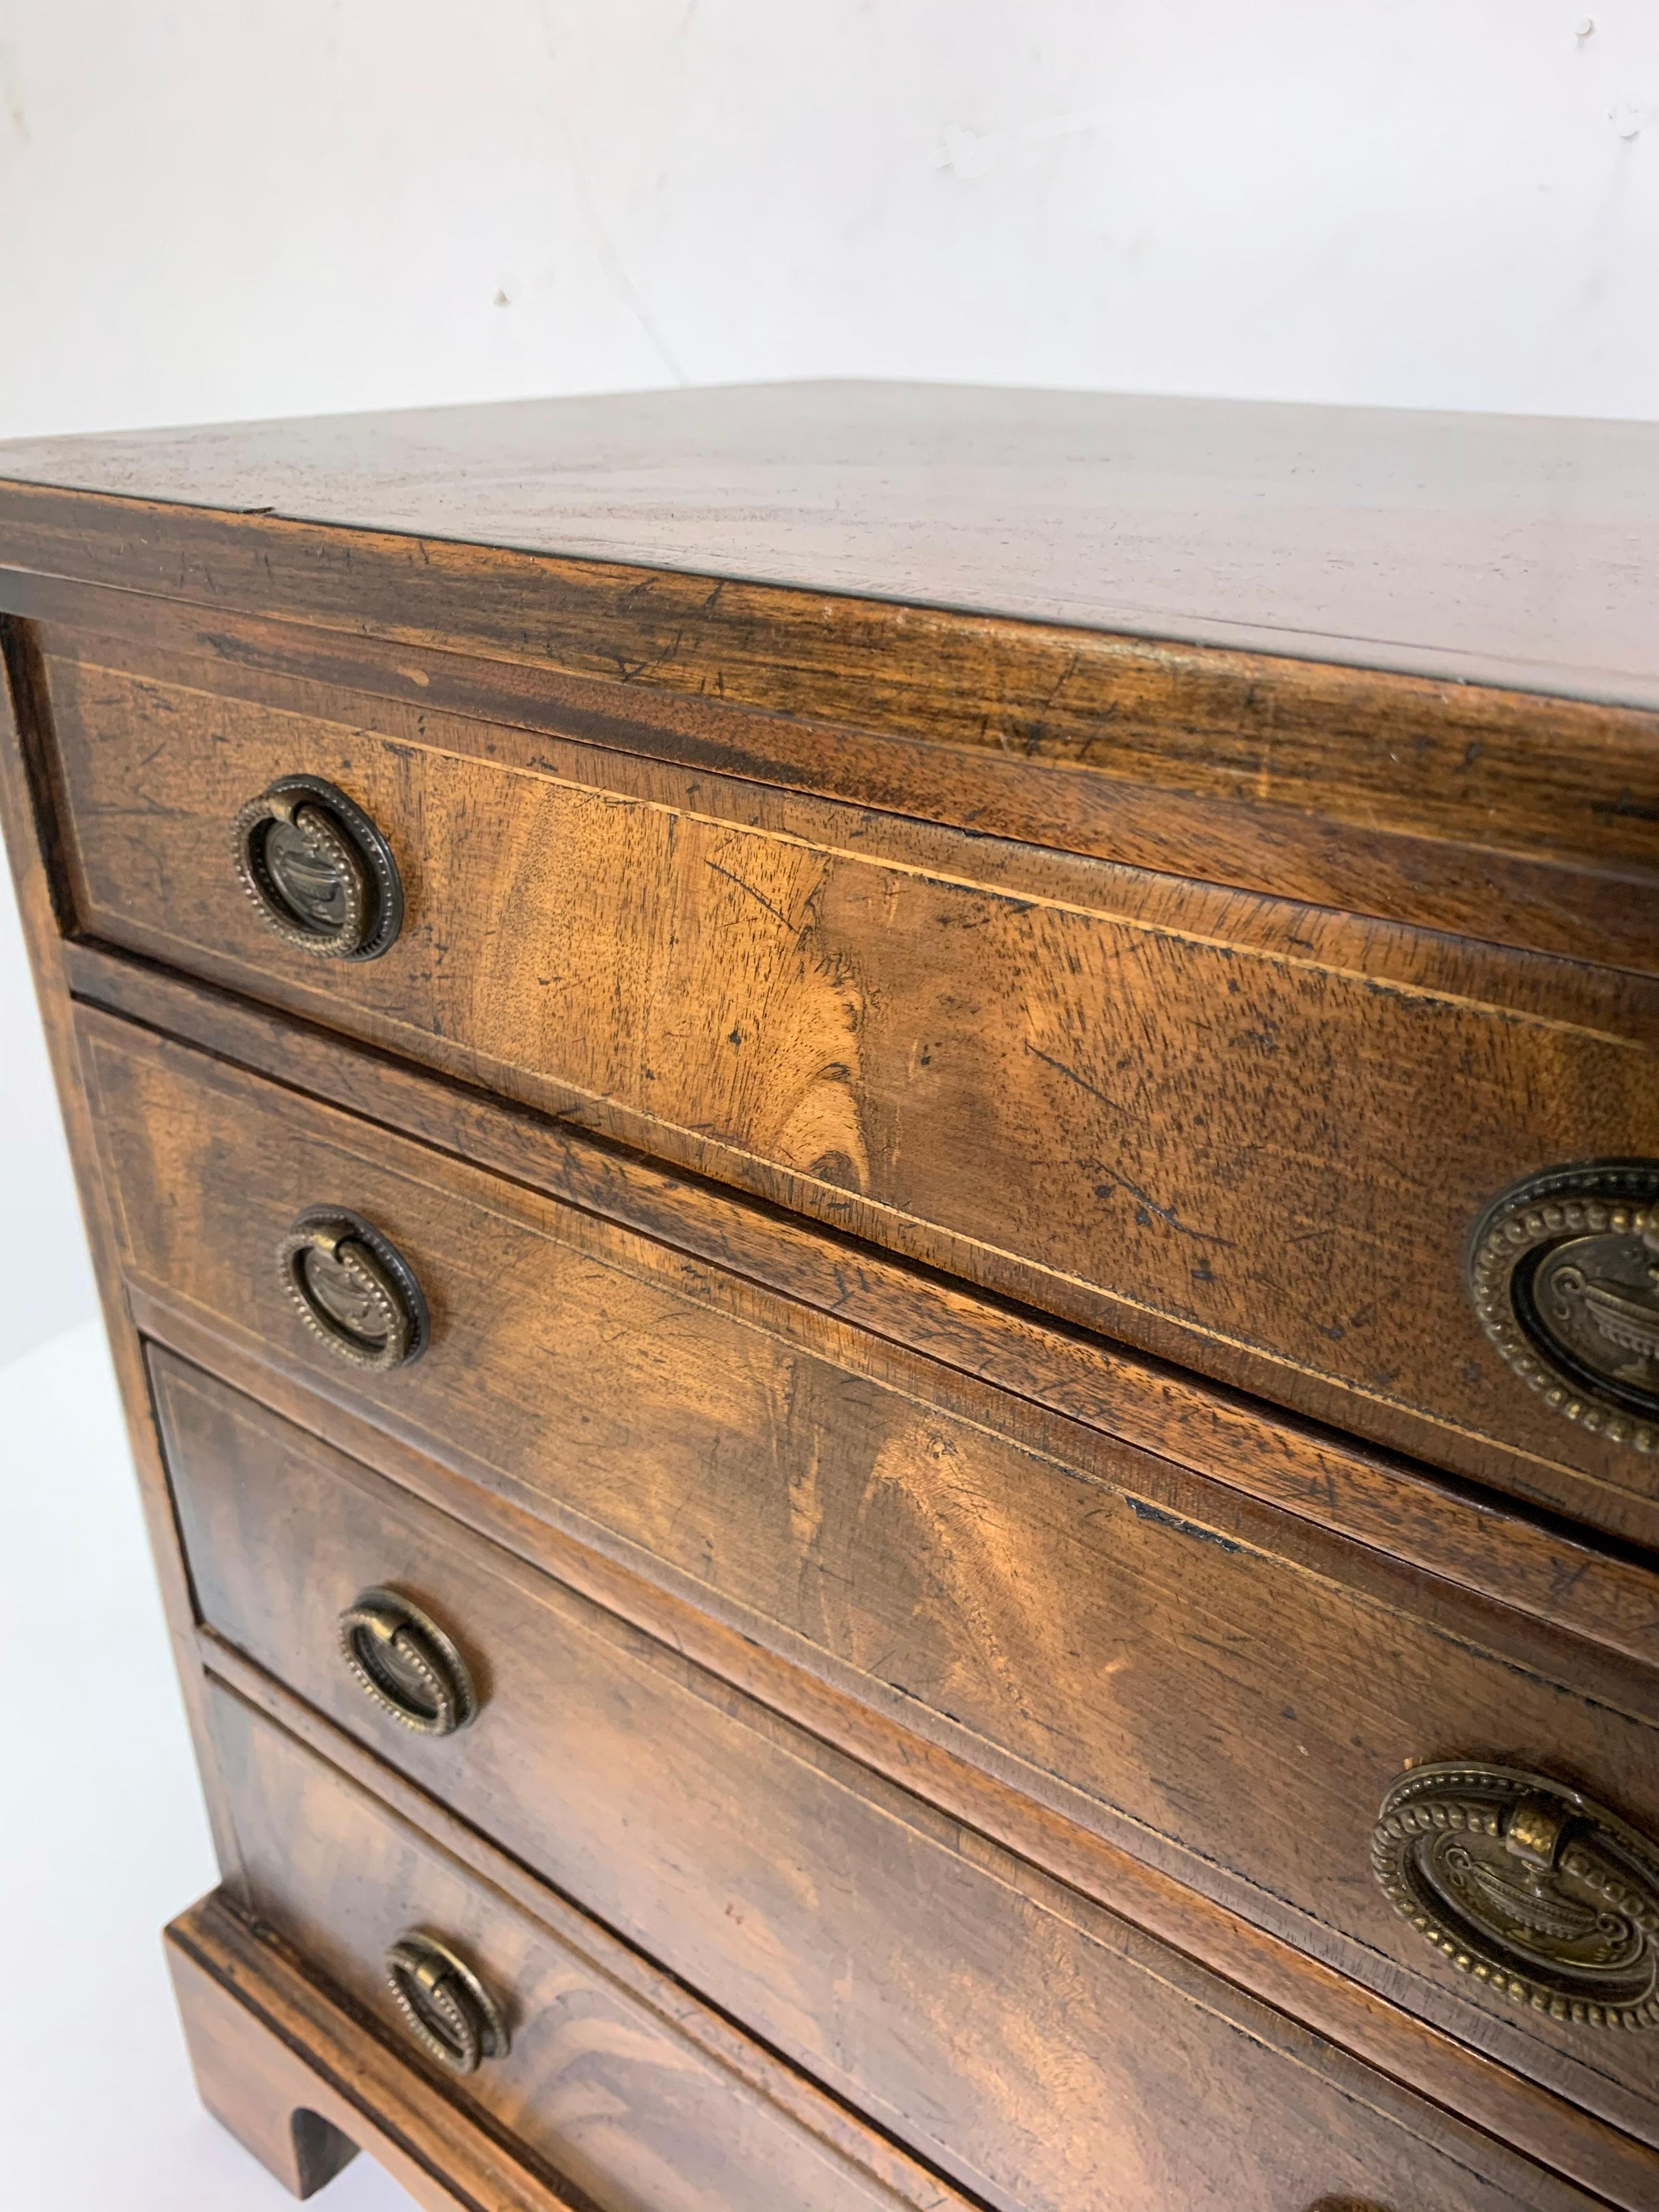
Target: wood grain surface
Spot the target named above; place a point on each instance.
(1206, 1682)
(647, 2114)
(1042, 2055)
(618, 2100)
(902, 1746)
(1166, 864)
(1534, 1564)
(1492, 814)
(1514, 817)
(291, 2072)
(1486, 547)
(1212, 1126)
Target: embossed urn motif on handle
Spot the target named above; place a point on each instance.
(1527, 1886)
(319, 873)
(353, 1289)
(1565, 1273)
(444, 2005)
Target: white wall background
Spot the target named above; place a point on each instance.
(214, 209)
(217, 208)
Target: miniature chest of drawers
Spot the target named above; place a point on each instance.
(878, 1176)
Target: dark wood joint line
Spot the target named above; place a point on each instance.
(31, 712)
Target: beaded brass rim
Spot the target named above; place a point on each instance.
(319, 873)
(1564, 1270)
(1527, 1886)
(400, 1658)
(353, 1289)
(444, 2005)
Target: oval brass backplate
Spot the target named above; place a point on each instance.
(1523, 1883)
(1564, 1274)
(318, 872)
(400, 1658)
(444, 2005)
(354, 1290)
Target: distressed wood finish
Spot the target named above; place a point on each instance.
(290, 2071)
(1104, 2073)
(1489, 813)
(970, 962)
(651, 2104)
(1143, 1104)
(1474, 547)
(1035, 1595)
(1553, 1572)
(1558, 2134)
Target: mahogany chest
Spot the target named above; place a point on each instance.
(876, 1170)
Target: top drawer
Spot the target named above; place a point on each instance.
(1253, 1136)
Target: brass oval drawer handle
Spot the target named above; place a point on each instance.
(354, 1290)
(1534, 1889)
(317, 870)
(403, 1659)
(1565, 1273)
(444, 2005)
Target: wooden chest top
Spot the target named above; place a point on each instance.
(877, 1171)
(1488, 549)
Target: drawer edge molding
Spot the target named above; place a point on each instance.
(1494, 1546)
(928, 1039)
(1586, 2162)
(301, 2084)
(304, 2083)
(1218, 1933)
(385, 2092)
(1200, 718)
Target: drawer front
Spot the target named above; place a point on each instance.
(615, 2096)
(1040, 2053)
(1202, 1681)
(1254, 1136)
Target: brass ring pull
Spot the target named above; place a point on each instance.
(1539, 1893)
(403, 1659)
(444, 2005)
(317, 870)
(353, 1289)
(1564, 1270)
